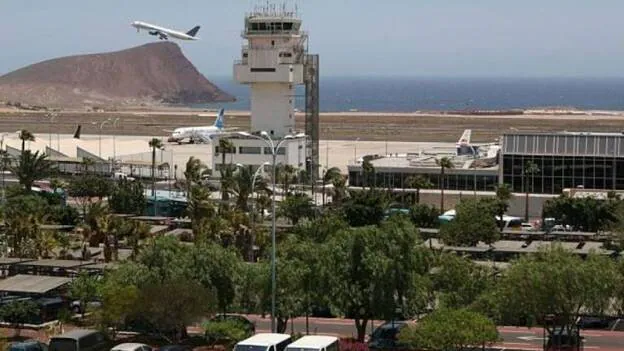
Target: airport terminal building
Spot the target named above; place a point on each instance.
(564, 160)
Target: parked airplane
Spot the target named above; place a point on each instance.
(199, 134)
(165, 33)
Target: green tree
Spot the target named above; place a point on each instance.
(555, 282)
(24, 136)
(225, 147)
(365, 207)
(19, 313)
(424, 216)
(339, 190)
(89, 186)
(319, 229)
(154, 143)
(84, 288)
(368, 173)
(459, 281)
(474, 222)
(503, 195)
(295, 207)
(128, 197)
(30, 168)
(440, 331)
(329, 175)
(226, 333)
(444, 163)
(194, 171)
(369, 272)
(530, 170)
(418, 182)
(587, 213)
(24, 215)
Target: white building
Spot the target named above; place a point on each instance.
(272, 65)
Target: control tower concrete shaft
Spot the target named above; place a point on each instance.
(272, 64)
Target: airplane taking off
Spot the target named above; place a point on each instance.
(165, 33)
(199, 134)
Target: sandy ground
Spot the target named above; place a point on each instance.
(332, 153)
(412, 127)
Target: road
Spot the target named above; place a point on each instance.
(513, 337)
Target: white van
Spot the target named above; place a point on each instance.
(314, 343)
(264, 342)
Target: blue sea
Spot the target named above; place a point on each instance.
(378, 94)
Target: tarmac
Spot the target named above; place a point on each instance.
(332, 153)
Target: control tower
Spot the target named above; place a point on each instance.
(272, 64)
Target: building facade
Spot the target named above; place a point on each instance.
(562, 160)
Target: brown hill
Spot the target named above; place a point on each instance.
(149, 74)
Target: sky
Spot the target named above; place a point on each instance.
(417, 38)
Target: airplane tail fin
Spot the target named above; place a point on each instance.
(465, 137)
(77, 132)
(219, 121)
(193, 31)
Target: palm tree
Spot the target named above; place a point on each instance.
(155, 143)
(339, 192)
(368, 172)
(530, 169)
(31, 167)
(86, 163)
(225, 146)
(286, 174)
(443, 163)
(418, 182)
(241, 186)
(25, 136)
(329, 176)
(503, 195)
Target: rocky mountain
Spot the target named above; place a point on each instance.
(150, 74)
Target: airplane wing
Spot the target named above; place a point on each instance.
(203, 137)
(233, 129)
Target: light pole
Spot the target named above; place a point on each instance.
(51, 117)
(259, 171)
(266, 138)
(355, 150)
(100, 137)
(115, 125)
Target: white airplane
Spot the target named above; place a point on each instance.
(165, 33)
(199, 134)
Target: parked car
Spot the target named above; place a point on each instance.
(80, 340)
(385, 337)
(131, 346)
(175, 348)
(28, 345)
(76, 307)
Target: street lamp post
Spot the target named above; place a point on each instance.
(51, 117)
(266, 138)
(253, 207)
(355, 150)
(259, 171)
(101, 125)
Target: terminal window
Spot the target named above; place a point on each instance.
(256, 150)
(280, 151)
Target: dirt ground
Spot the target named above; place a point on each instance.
(333, 126)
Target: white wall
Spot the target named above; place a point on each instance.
(272, 108)
(294, 154)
